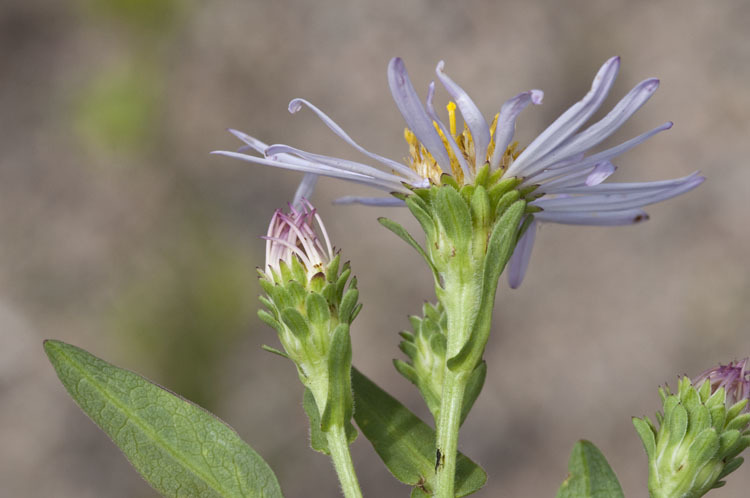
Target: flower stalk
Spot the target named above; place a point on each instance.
(311, 303)
(471, 231)
(338, 443)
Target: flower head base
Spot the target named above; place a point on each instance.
(702, 431)
(292, 241)
(560, 166)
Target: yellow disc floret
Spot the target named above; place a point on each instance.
(422, 162)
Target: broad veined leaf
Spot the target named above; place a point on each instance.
(404, 442)
(589, 475)
(177, 446)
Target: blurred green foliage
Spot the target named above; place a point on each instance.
(144, 17)
(188, 308)
(119, 109)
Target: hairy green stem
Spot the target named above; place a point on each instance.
(460, 300)
(338, 444)
(449, 421)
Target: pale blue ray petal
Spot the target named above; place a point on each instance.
(613, 152)
(370, 201)
(564, 169)
(319, 169)
(602, 129)
(454, 146)
(597, 173)
(614, 202)
(251, 142)
(305, 189)
(519, 261)
(335, 162)
(620, 188)
(606, 218)
(506, 122)
(569, 122)
(601, 172)
(414, 114)
(296, 104)
(480, 130)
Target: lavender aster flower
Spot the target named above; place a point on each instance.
(559, 175)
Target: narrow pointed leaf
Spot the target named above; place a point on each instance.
(404, 442)
(338, 409)
(406, 237)
(178, 447)
(589, 475)
(647, 436)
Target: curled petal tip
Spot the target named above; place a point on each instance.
(295, 105)
(440, 67)
(536, 96)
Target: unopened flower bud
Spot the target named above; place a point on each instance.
(311, 302)
(702, 431)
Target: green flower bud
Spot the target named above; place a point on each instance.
(426, 349)
(702, 431)
(311, 301)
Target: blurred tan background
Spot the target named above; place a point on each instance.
(122, 235)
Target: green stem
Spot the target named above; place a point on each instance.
(460, 299)
(448, 423)
(338, 444)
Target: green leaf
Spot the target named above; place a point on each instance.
(338, 409)
(318, 439)
(647, 435)
(178, 447)
(421, 212)
(454, 216)
(473, 388)
(406, 237)
(296, 322)
(348, 309)
(317, 309)
(405, 443)
(589, 475)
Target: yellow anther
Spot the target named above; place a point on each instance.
(493, 127)
(452, 117)
(409, 136)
